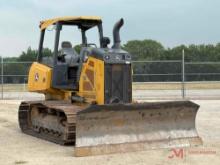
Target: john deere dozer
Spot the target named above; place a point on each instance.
(88, 98)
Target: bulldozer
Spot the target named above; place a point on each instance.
(88, 98)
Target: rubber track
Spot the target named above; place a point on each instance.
(68, 109)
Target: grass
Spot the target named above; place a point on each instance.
(135, 86)
(175, 86)
(20, 162)
(14, 88)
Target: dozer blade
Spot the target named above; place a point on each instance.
(105, 129)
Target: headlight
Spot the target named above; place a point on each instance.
(107, 57)
(128, 56)
(118, 57)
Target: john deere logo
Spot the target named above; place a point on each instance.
(36, 77)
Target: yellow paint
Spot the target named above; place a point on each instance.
(44, 24)
(97, 92)
(39, 80)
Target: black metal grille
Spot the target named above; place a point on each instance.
(118, 83)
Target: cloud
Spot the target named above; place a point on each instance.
(172, 22)
(11, 45)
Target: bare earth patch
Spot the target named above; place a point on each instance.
(18, 148)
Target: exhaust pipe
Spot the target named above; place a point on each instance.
(116, 35)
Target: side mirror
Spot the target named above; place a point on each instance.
(105, 41)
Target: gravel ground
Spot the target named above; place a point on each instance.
(18, 148)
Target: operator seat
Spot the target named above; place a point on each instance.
(68, 54)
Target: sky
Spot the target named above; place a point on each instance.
(171, 22)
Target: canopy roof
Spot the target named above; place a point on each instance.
(82, 21)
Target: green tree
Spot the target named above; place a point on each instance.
(31, 54)
(144, 49)
(78, 48)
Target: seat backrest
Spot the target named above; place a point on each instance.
(66, 44)
(71, 55)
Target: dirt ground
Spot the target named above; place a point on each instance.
(18, 148)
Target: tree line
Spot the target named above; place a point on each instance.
(195, 57)
(142, 50)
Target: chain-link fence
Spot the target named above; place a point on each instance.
(13, 80)
(176, 79)
(167, 79)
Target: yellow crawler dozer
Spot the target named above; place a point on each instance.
(88, 98)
